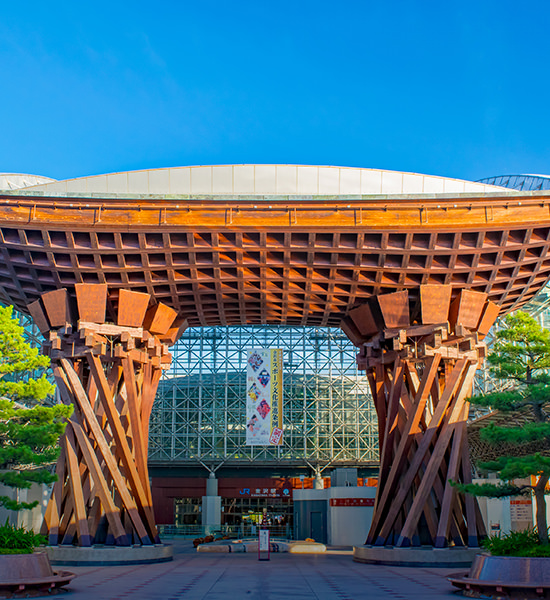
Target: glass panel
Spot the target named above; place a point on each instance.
(199, 413)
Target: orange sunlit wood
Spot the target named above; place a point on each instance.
(421, 374)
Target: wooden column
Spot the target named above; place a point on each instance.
(421, 361)
(109, 372)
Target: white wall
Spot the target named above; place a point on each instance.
(30, 519)
(265, 180)
(346, 525)
(211, 510)
(349, 525)
(499, 514)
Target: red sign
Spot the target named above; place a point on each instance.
(276, 436)
(352, 501)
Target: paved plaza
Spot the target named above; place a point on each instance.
(196, 576)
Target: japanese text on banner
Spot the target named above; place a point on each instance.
(264, 397)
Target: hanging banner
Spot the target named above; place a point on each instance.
(264, 397)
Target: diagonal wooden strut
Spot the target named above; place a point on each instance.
(457, 415)
(420, 364)
(407, 437)
(105, 451)
(109, 372)
(427, 438)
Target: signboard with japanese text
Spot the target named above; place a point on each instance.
(351, 502)
(264, 540)
(521, 509)
(251, 492)
(264, 397)
(263, 544)
(272, 487)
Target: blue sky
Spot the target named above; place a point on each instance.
(457, 89)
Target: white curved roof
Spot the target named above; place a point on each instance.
(15, 181)
(264, 180)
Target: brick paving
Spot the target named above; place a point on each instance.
(193, 576)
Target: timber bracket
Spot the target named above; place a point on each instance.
(109, 372)
(421, 361)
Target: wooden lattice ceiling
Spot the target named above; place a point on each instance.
(280, 260)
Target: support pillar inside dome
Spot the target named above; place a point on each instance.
(420, 358)
(109, 372)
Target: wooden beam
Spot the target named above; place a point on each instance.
(395, 309)
(39, 316)
(434, 302)
(349, 328)
(159, 319)
(57, 307)
(132, 307)
(91, 299)
(466, 309)
(429, 434)
(111, 511)
(175, 332)
(75, 482)
(398, 462)
(134, 411)
(53, 509)
(109, 329)
(124, 452)
(487, 319)
(436, 458)
(147, 401)
(103, 447)
(391, 421)
(364, 321)
(452, 476)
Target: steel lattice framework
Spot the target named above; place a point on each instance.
(538, 307)
(199, 412)
(519, 182)
(32, 333)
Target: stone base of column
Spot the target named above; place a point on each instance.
(103, 556)
(421, 556)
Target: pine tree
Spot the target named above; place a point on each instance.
(521, 356)
(29, 431)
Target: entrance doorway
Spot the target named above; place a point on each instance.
(246, 514)
(187, 511)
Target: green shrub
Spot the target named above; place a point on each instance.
(18, 540)
(516, 543)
